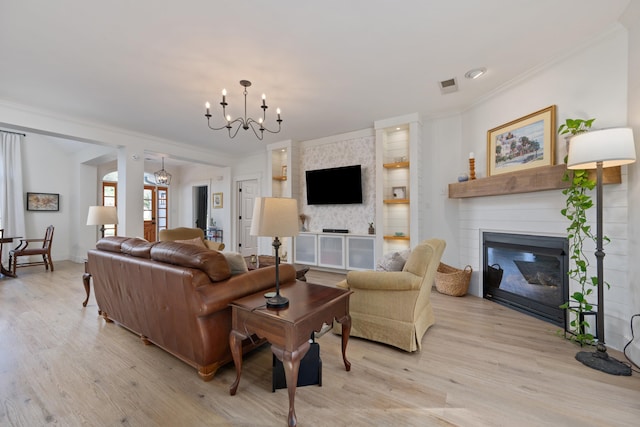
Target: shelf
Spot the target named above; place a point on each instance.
(527, 181)
(396, 165)
(279, 178)
(392, 237)
(395, 201)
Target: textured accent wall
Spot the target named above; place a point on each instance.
(339, 153)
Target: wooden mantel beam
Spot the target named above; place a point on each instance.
(526, 181)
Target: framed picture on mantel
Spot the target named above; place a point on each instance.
(524, 143)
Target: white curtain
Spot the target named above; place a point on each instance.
(11, 195)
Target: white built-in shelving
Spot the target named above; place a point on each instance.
(397, 183)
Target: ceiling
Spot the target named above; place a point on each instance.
(332, 67)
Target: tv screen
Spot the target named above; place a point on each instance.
(335, 186)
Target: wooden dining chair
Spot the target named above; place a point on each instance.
(23, 249)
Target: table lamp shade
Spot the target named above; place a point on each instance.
(612, 147)
(100, 215)
(275, 217)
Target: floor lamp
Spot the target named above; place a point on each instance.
(101, 215)
(275, 217)
(596, 150)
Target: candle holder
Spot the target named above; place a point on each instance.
(472, 168)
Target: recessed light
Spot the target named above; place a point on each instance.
(475, 73)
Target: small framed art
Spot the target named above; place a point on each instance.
(399, 192)
(43, 202)
(217, 201)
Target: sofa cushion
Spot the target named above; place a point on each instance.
(197, 241)
(237, 263)
(137, 247)
(111, 243)
(392, 261)
(212, 263)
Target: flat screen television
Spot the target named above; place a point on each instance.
(334, 186)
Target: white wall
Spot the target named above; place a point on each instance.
(218, 180)
(589, 83)
(45, 170)
(442, 140)
(632, 22)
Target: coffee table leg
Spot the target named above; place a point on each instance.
(291, 363)
(346, 330)
(235, 342)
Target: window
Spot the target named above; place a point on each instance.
(109, 197)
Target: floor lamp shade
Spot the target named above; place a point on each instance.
(598, 150)
(612, 147)
(100, 215)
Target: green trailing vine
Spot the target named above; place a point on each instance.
(578, 202)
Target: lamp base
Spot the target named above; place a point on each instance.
(601, 361)
(277, 301)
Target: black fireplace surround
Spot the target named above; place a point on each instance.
(527, 273)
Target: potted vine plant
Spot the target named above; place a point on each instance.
(578, 202)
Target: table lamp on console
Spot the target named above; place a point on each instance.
(275, 217)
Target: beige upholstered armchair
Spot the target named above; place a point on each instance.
(394, 307)
(185, 233)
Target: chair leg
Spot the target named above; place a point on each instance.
(50, 263)
(46, 263)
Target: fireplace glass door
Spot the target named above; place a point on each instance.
(527, 272)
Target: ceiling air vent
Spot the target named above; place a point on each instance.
(448, 86)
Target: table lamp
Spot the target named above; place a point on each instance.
(275, 217)
(101, 215)
(596, 150)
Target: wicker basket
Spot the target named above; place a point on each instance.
(453, 281)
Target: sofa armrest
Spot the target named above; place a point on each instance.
(216, 246)
(217, 296)
(383, 280)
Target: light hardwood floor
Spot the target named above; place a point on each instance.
(481, 365)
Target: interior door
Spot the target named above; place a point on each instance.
(247, 193)
(201, 207)
(149, 212)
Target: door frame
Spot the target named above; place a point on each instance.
(235, 236)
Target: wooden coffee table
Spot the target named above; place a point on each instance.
(288, 330)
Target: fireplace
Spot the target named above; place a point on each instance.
(527, 273)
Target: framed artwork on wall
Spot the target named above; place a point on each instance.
(524, 143)
(43, 202)
(399, 192)
(217, 201)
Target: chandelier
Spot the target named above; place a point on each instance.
(162, 176)
(233, 126)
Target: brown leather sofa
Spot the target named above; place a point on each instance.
(186, 233)
(175, 296)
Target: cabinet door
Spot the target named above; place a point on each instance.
(305, 249)
(361, 253)
(331, 251)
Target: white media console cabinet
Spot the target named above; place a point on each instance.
(342, 251)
